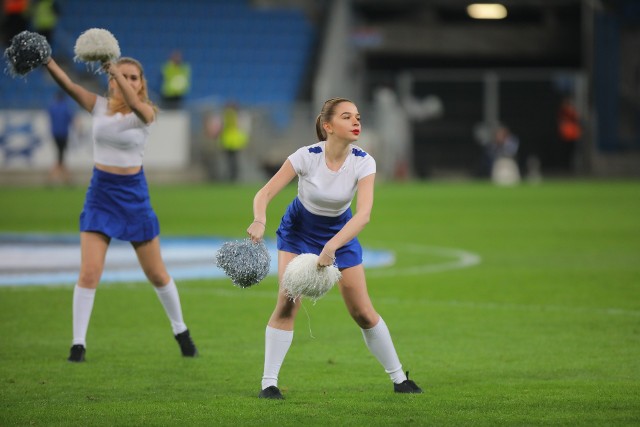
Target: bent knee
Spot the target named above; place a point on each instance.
(366, 319)
(158, 279)
(89, 277)
(286, 310)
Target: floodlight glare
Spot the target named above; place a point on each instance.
(487, 11)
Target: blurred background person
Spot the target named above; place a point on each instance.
(497, 141)
(394, 127)
(16, 18)
(234, 136)
(60, 119)
(502, 155)
(505, 144)
(209, 150)
(45, 18)
(569, 132)
(176, 81)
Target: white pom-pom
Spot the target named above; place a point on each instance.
(303, 277)
(96, 45)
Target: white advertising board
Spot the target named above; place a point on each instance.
(26, 142)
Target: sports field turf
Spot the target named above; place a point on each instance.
(545, 330)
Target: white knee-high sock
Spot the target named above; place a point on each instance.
(277, 343)
(378, 340)
(170, 300)
(82, 306)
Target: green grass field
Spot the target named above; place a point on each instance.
(545, 330)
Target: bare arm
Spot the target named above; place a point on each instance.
(83, 97)
(143, 110)
(355, 225)
(264, 196)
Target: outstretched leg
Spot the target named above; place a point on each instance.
(153, 266)
(93, 250)
(376, 335)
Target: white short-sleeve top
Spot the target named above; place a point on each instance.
(323, 191)
(118, 139)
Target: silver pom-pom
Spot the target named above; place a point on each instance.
(27, 52)
(95, 46)
(303, 277)
(245, 262)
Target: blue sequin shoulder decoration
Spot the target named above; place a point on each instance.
(315, 149)
(358, 153)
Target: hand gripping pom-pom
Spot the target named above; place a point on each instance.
(96, 45)
(27, 51)
(303, 277)
(245, 262)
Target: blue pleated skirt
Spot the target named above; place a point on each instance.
(301, 231)
(119, 207)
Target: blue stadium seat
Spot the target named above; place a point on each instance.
(251, 55)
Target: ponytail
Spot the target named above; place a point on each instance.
(320, 132)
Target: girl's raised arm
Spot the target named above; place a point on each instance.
(83, 97)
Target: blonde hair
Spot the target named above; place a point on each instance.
(326, 114)
(118, 104)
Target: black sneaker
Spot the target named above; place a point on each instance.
(77, 353)
(187, 347)
(271, 392)
(407, 386)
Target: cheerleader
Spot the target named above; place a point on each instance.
(117, 204)
(319, 221)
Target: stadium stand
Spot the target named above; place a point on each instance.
(237, 51)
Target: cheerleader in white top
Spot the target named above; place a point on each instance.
(117, 202)
(319, 221)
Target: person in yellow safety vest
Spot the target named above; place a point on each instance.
(176, 80)
(233, 139)
(45, 18)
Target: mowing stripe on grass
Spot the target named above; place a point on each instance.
(254, 292)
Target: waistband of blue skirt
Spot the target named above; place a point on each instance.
(345, 216)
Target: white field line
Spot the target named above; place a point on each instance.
(461, 259)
